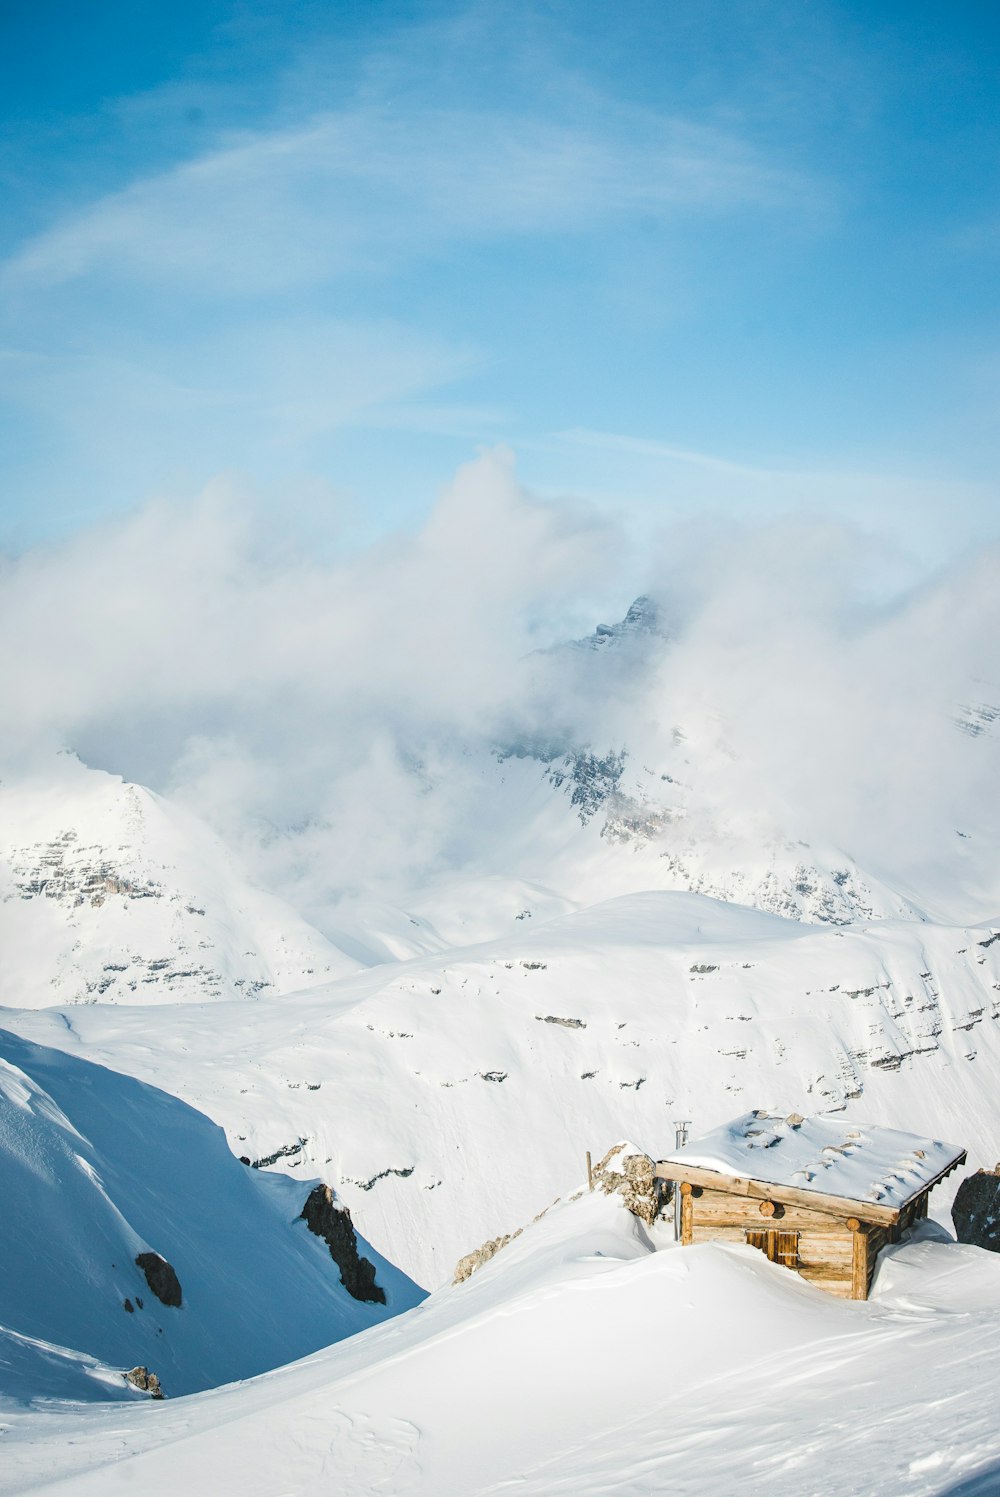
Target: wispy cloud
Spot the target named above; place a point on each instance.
(263, 396)
(664, 452)
(929, 514)
(357, 191)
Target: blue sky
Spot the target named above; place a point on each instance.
(684, 258)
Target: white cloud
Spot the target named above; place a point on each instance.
(191, 646)
(331, 714)
(827, 703)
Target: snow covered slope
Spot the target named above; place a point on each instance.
(641, 763)
(448, 1098)
(654, 764)
(110, 894)
(578, 828)
(33, 1370)
(97, 1171)
(582, 1361)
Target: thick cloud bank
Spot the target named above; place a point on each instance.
(332, 714)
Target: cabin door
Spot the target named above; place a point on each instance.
(779, 1247)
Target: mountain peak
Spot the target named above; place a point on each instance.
(643, 617)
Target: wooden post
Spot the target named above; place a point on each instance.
(590, 1173)
(859, 1259)
(687, 1213)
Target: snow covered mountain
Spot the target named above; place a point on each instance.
(592, 940)
(110, 894)
(637, 779)
(131, 1234)
(449, 1097)
(650, 770)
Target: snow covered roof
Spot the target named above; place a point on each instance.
(875, 1167)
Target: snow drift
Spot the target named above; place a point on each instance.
(583, 1360)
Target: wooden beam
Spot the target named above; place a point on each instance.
(719, 1206)
(791, 1195)
(788, 1195)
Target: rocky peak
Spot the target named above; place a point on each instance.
(643, 618)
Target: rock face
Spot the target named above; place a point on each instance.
(134, 901)
(326, 1219)
(628, 1172)
(976, 1212)
(466, 1267)
(643, 618)
(161, 1278)
(145, 1381)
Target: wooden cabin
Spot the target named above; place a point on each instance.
(819, 1195)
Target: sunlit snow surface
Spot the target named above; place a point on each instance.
(450, 1097)
(582, 1361)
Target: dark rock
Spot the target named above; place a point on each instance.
(976, 1212)
(594, 779)
(161, 1278)
(128, 1307)
(333, 1223)
(400, 1174)
(287, 1151)
(145, 1381)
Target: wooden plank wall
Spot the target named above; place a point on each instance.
(826, 1243)
(831, 1254)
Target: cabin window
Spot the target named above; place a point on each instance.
(779, 1247)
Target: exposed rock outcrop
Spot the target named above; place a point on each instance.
(624, 1170)
(145, 1381)
(161, 1278)
(325, 1218)
(466, 1267)
(976, 1211)
(628, 1172)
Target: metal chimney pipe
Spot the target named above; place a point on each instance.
(680, 1139)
